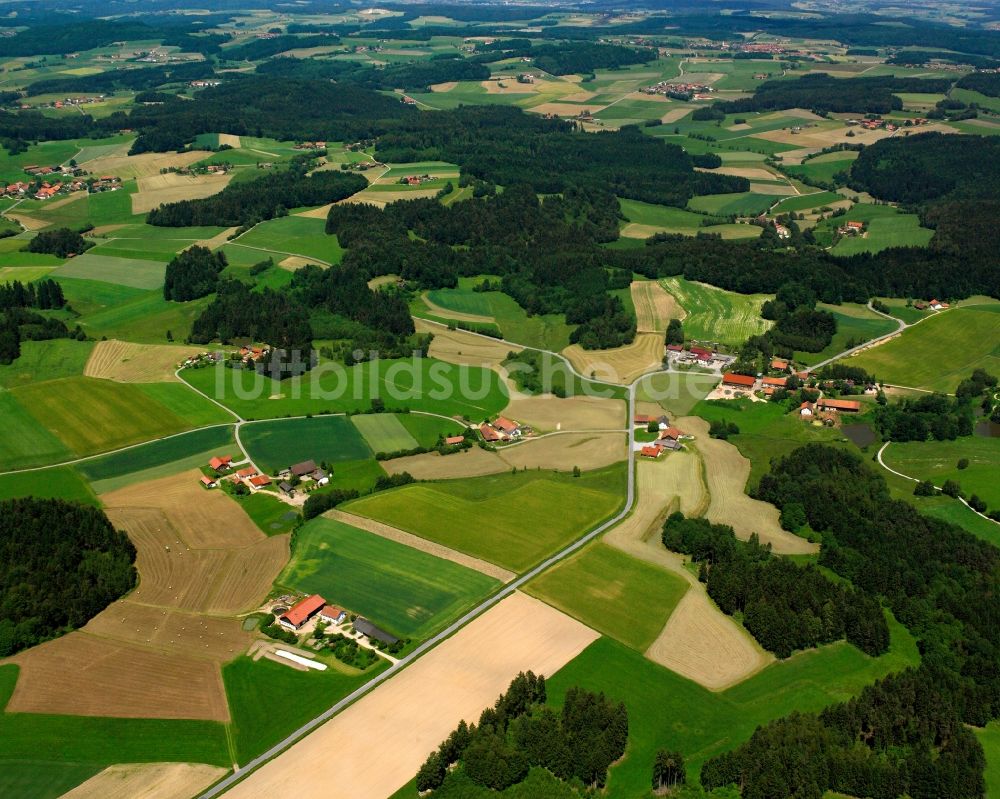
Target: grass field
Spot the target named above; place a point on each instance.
(79, 746)
(739, 204)
(855, 324)
(519, 518)
(295, 234)
(133, 272)
(940, 352)
(887, 227)
(409, 592)
(823, 168)
(548, 331)
(61, 482)
(142, 318)
(989, 737)
(806, 201)
(46, 360)
(195, 410)
(269, 513)
(616, 594)
(427, 429)
(384, 432)
(278, 444)
(666, 710)
(217, 440)
(676, 393)
(937, 461)
(423, 384)
(91, 416)
(715, 314)
(24, 441)
(269, 700)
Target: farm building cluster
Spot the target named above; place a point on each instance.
(305, 476)
(499, 430)
(697, 355)
(682, 91)
(668, 437)
(43, 188)
(303, 616)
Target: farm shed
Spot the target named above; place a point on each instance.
(365, 627)
(304, 468)
(740, 381)
(299, 613)
(847, 406)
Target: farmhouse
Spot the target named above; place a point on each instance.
(365, 627)
(671, 434)
(806, 409)
(675, 348)
(845, 406)
(451, 441)
(299, 613)
(286, 488)
(246, 472)
(488, 433)
(651, 451)
(304, 468)
(774, 382)
(779, 365)
(701, 353)
(738, 381)
(507, 427)
(332, 615)
(320, 477)
(260, 481)
(221, 462)
(208, 482)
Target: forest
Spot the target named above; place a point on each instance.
(987, 83)
(193, 273)
(124, 79)
(247, 203)
(786, 607)
(62, 242)
(906, 734)
(936, 416)
(518, 733)
(825, 94)
(61, 563)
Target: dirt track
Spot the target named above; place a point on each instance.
(386, 735)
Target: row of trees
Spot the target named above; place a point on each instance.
(45, 294)
(786, 607)
(906, 734)
(577, 745)
(61, 563)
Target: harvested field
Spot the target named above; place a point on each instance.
(563, 451)
(155, 190)
(727, 471)
(81, 675)
(462, 347)
(507, 85)
(136, 363)
(619, 365)
(415, 541)
(217, 240)
(698, 641)
(458, 316)
(387, 734)
(143, 165)
(547, 412)
(295, 262)
(675, 114)
(447, 86)
(778, 190)
(566, 109)
(148, 781)
(382, 198)
(748, 172)
(317, 213)
(473, 462)
(28, 222)
(819, 138)
(54, 205)
(654, 306)
(231, 139)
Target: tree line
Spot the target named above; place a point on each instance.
(21, 324)
(786, 607)
(518, 732)
(45, 294)
(61, 563)
(907, 733)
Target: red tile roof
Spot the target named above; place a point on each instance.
(330, 612)
(260, 480)
(208, 481)
(730, 379)
(779, 364)
(672, 433)
(651, 452)
(505, 425)
(488, 433)
(675, 348)
(641, 418)
(777, 382)
(451, 440)
(840, 405)
(220, 461)
(299, 614)
(249, 471)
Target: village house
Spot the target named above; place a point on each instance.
(779, 365)
(221, 463)
(332, 615)
(844, 406)
(651, 451)
(671, 434)
(782, 231)
(738, 381)
(806, 409)
(451, 441)
(246, 473)
(774, 382)
(299, 613)
(489, 434)
(937, 305)
(208, 482)
(286, 488)
(320, 477)
(259, 481)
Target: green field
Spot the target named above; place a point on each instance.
(823, 168)
(715, 314)
(25, 274)
(24, 441)
(278, 444)
(989, 737)
(133, 272)
(296, 235)
(855, 324)
(105, 208)
(46, 360)
(887, 227)
(75, 747)
(269, 700)
(670, 219)
(193, 408)
(937, 461)
(806, 201)
(519, 518)
(667, 711)
(676, 393)
(939, 352)
(92, 296)
(179, 450)
(384, 432)
(143, 318)
(407, 591)
(549, 331)
(738, 204)
(426, 429)
(616, 594)
(269, 513)
(91, 416)
(61, 482)
(422, 384)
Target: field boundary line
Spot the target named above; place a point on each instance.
(883, 464)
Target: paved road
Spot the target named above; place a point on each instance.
(453, 628)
